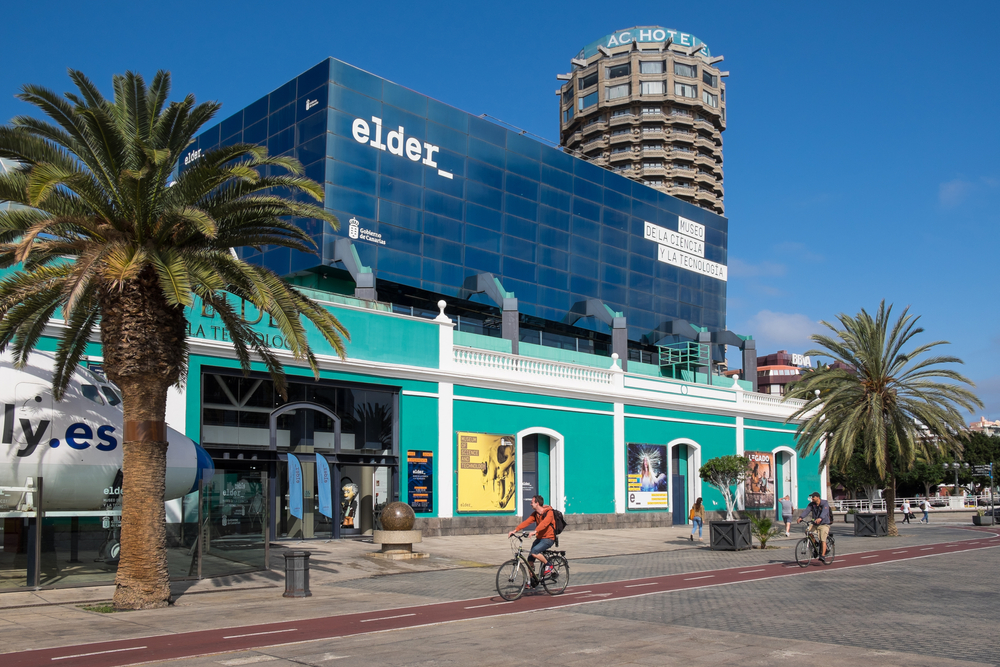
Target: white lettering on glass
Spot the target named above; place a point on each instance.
(397, 143)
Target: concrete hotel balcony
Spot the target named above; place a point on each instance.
(590, 128)
(625, 156)
(623, 120)
(627, 138)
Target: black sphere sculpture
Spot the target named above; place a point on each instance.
(397, 516)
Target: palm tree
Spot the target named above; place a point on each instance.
(109, 240)
(888, 401)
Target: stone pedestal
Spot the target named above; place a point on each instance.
(397, 544)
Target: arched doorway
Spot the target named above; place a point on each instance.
(540, 468)
(685, 485)
(786, 474)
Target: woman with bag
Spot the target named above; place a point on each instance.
(697, 517)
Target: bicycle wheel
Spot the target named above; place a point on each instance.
(511, 579)
(556, 582)
(830, 551)
(803, 552)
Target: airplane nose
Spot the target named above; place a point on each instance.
(206, 468)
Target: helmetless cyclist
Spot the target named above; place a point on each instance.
(821, 517)
(544, 532)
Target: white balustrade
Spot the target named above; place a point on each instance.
(543, 368)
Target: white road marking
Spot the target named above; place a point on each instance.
(749, 571)
(927, 548)
(255, 634)
(84, 655)
(247, 661)
(578, 592)
(900, 552)
(385, 618)
(480, 606)
(638, 585)
(707, 576)
(875, 556)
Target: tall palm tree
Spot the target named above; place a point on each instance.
(96, 184)
(890, 402)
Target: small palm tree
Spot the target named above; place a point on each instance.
(889, 402)
(108, 240)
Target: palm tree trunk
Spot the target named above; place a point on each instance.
(144, 346)
(143, 579)
(890, 502)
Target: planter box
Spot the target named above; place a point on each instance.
(849, 518)
(871, 525)
(982, 520)
(730, 535)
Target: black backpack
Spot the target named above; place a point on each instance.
(559, 520)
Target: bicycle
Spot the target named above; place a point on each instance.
(514, 575)
(809, 547)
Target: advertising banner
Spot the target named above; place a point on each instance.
(486, 472)
(420, 480)
(325, 483)
(758, 490)
(294, 486)
(647, 474)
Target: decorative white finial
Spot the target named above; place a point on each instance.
(442, 317)
(614, 362)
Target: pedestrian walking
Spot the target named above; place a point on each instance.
(785, 505)
(925, 507)
(697, 517)
(905, 509)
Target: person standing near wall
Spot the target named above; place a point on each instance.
(785, 507)
(905, 509)
(697, 517)
(925, 507)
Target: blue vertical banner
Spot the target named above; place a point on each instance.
(294, 486)
(325, 482)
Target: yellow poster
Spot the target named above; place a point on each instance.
(486, 472)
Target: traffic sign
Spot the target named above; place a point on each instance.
(983, 469)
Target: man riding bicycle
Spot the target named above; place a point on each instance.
(820, 518)
(544, 532)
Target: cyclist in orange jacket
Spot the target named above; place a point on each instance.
(544, 532)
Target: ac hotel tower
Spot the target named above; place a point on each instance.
(649, 103)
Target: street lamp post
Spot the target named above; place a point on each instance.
(956, 466)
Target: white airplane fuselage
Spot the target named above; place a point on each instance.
(74, 444)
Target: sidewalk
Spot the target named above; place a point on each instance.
(337, 561)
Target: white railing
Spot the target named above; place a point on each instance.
(542, 368)
(937, 502)
(753, 398)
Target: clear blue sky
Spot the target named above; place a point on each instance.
(860, 156)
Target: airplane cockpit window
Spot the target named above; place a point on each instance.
(91, 392)
(109, 393)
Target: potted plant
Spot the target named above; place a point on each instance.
(980, 518)
(725, 472)
(764, 529)
(849, 516)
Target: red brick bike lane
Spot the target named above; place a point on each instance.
(228, 640)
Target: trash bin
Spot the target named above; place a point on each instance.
(297, 574)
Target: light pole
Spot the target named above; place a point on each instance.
(956, 466)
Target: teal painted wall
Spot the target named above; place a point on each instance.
(491, 343)
(418, 429)
(565, 356)
(809, 479)
(713, 440)
(588, 448)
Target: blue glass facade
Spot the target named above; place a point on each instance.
(439, 195)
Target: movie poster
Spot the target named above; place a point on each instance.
(486, 472)
(648, 472)
(420, 480)
(758, 490)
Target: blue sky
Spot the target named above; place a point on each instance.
(860, 155)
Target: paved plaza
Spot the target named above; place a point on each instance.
(922, 610)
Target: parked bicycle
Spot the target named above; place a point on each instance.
(809, 547)
(515, 575)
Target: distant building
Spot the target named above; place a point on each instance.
(985, 426)
(649, 103)
(776, 371)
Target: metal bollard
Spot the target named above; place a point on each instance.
(297, 574)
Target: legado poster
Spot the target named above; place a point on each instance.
(420, 480)
(758, 490)
(486, 472)
(647, 476)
